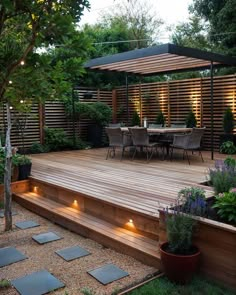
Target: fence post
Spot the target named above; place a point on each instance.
(114, 106)
(41, 110)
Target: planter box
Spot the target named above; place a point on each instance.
(217, 243)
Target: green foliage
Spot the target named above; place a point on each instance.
(228, 121)
(38, 148)
(5, 283)
(230, 162)
(228, 148)
(191, 120)
(197, 286)
(179, 228)
(160, 119)
(88, 291)
(1, 205)
(193, 200)
(221, 16)
(225, 204)
(98, 112)
(55, 139)
(19, 160)
(223, 176)
(135, 119)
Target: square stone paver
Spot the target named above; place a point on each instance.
(108, 273)
(37, 283)
(46, 237)
(72, 253)
(2, 213)
(9, 255)
(26, 224)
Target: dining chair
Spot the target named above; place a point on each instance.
(114, 125)
(117, 139)
(141, 140)
(188, 142)
(152, 125)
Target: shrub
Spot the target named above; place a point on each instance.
(4, 283)
(228, 121)
(135, 119)
(191, 120)
(223, 176)
(228, 148)
(193, 200)
(225, 205)
(55, 138)
(160, 119)
(38, 148)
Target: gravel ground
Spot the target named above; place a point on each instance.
(74, 273)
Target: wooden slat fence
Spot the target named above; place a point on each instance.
(174, 98)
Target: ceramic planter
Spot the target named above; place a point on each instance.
(179, 268)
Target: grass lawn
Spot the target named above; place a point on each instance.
(198, 286)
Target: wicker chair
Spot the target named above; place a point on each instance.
(140, 140)
(117, 139)
(154, 126)
(114, 125)
(188, 142)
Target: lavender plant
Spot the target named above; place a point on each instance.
(223, 176)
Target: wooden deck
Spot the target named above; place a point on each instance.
(111, 201)
(136, 185)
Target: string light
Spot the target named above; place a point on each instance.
(21, 101)
(10, 82)
(22, 62)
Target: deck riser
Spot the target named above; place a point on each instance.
(143, 224)
(89, 233)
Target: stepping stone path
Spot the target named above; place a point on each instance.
(2, 213)
(46, 237)
(72, 253)
(37, 283)
(108, 273)
(26, 224)
(9, 255)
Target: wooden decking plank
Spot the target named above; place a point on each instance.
(133, 239)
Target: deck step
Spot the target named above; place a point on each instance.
(125, 241)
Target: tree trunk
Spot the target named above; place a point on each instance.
(7, 175)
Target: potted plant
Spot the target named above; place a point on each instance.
(160, 119)
(24, 165)
(180, 258)
(135, 119)
(228, 126)
(191, 120)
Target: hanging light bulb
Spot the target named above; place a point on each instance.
(22, 62)
(21, 101)
(10, 82)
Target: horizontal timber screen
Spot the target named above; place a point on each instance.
(174, 98)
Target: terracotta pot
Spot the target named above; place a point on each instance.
(179, 268)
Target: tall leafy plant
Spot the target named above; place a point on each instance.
(191, 120)
(228, 121)
(160, 119)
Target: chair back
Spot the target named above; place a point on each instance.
(155, 126)
(176, 125)
(139, 136)
(115, 136)
(195, 138)
(114, 125)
